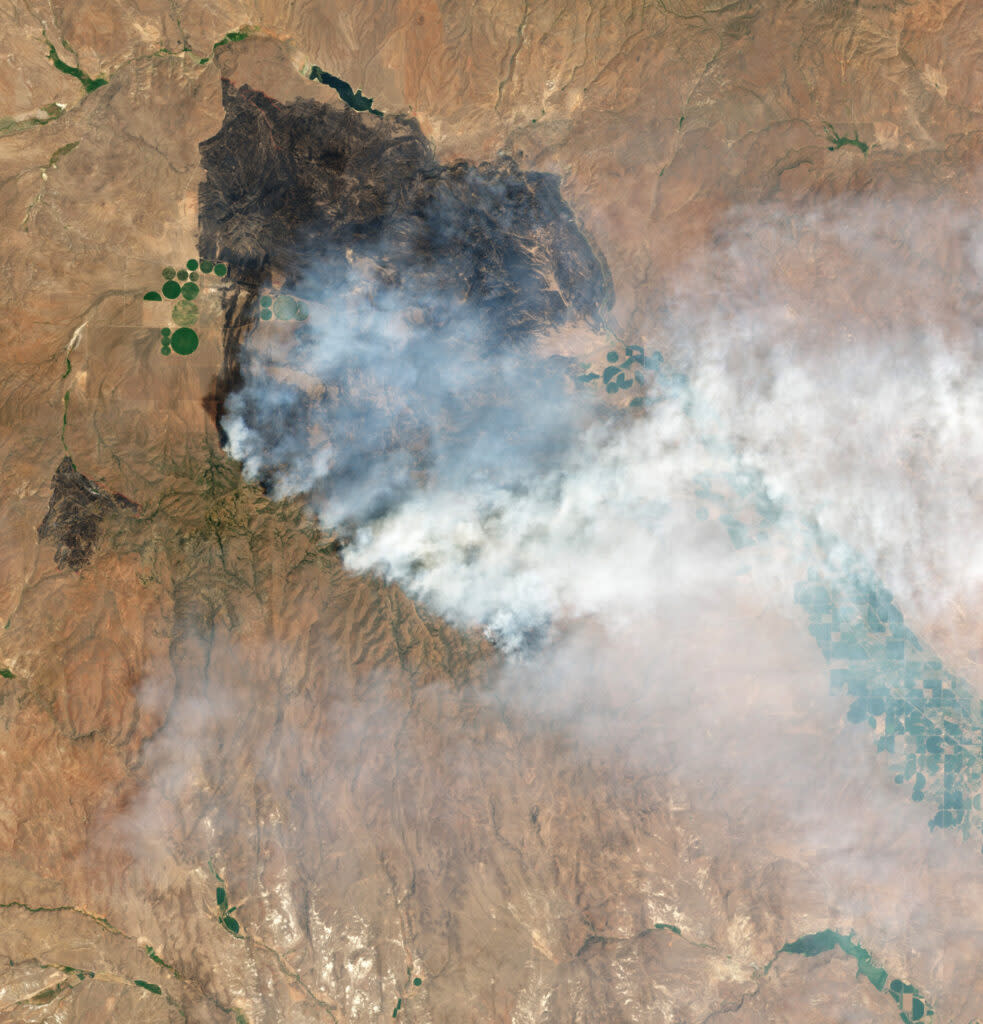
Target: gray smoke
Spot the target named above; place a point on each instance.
(391, 390)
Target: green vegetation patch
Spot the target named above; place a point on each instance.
(222, 901)
(168, 273)
(927, 720)
(220, 270)
(152, 297)
(148, 985)
(60, 152)
(184, 341)
(190, 290)
(233, 37)
(152, 953)
(90, 84)
(192, 264)
(171, 289)
(184, 313)
(624, 373)
(6, 673)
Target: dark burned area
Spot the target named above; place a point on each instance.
(291, 186)
(76, 509)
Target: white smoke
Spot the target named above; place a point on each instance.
(832, 394)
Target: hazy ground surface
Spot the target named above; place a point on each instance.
(490, 532)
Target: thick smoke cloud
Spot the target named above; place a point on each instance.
(392, 388)
(831, 409)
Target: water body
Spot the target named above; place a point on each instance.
(353, 98)
(837, 141)
(909, 1000)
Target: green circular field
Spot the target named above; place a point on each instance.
(193, 276)
(284, 307)
(266, 300)
(184, 313)
(182, 275)
(171, 289)
(190, 290)
(184, 341)
(165, 332)
(192, 264)
(168, 273)
(266, 314)
(206, 266)
(221, 270)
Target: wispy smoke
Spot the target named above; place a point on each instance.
(830, 359)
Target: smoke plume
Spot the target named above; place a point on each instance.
(830, 410)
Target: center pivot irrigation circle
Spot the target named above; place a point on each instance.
(184, 341)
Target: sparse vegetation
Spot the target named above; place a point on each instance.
(60, 152)
(12, 125)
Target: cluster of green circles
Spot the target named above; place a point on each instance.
(283, 307)
(189, 272)
(184, 341)
(188, 290)
(182, 285)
